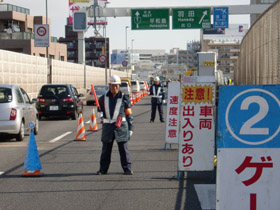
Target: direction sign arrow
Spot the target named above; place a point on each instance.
(204, 14)
(137, 19)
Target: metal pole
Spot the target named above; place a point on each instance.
(47, 50)
(106, 73)
(126, 54)
(95, 5)
(132, 52)
(107, 57)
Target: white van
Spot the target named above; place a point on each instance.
(135, 86)
(125, 88)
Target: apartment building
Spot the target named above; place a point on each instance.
(226, 43)
(17, 33)
(94, 47)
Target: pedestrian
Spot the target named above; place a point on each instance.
(158, 95)
(117, 124)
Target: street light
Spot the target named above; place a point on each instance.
(106, 48)
(131, 52)
(126, 52)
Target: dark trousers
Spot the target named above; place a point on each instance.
(105, 158)
(160, 111)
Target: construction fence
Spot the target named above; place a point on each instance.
(31, 72)
(258, 61)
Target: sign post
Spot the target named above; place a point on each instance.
(192, 18)
(143, 19)
(248, 167)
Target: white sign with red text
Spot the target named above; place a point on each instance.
(173, 113)
(248, 179)
(197, 129)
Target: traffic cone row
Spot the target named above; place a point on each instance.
(81, 133)
(93, 123)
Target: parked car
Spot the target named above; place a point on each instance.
(16, 112)
(135, 85)
(99, 90)
(125, 88)
(59, 100)
(126, 79)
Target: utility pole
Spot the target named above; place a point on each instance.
(49, 79)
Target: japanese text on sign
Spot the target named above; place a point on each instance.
(173, 113)
(197, 94)
(197, 127)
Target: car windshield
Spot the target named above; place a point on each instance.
(133, 82)
(5, 95)
(100, 90)
(54, 92)
(123, 84)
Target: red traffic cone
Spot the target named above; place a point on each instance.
(81, 133)
(32, 163)
(93, 123)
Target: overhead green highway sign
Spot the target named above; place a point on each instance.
(192, 18)
(149, 19)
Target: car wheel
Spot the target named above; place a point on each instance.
(36, 128)
(20, 135)
(74, 115)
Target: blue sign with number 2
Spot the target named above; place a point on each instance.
(249, 116)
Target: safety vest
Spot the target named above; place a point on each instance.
(156, 95)
(116, 111)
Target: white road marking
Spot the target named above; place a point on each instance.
(1, 173)
(88, 122)
(60, 137)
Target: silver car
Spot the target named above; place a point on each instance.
(16, 112)
(100, 90)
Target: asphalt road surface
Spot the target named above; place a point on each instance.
(69, 167)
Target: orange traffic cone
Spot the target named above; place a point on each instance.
(93, 123)
(81, 134)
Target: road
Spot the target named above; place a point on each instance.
(69, 167)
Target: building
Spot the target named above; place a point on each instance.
(254, 17)
(94, 47)
(17, 33)
(226, 43)
(175, 64)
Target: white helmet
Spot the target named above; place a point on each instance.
(156, 79)
(115, 79)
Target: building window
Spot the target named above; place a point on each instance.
(70, 53)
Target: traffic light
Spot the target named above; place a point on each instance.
(79, 21)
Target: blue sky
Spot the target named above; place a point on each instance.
(58, 11)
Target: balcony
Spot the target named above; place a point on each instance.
(16, 36)
(21, 36)
(10, 7)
